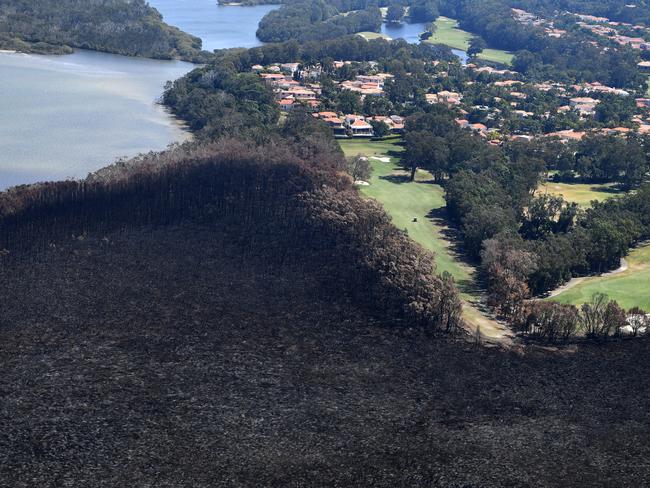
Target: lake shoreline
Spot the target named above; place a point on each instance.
(74, 113)
(73, 50)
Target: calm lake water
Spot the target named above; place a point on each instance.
(218, 26)
(409, 32)
(66, 116)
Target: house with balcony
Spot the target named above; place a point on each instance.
(357, 126)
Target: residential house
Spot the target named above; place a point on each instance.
(272, 77)
(567, 135)
(363, 88)
(481, 129)
(521, 137)
(445, 97)
(584, 105)
(299, 93)
(286, 104)
(357, 126)
(289, 68)
(507, 83)
(394, 122)
(333, 121)
(642, 102)
(311, 73)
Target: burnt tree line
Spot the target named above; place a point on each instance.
(274, 204)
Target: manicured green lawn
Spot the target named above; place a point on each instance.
(580, 193)
(390, 146)
(406, 201)
(422, 200)
(497, 56)
(630, 288)
(448, 33)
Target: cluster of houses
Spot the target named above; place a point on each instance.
(575, 98)
(581, 99)
(600, 26)
(295, 86)
(604, 27)
(526, 18)
(290, 92)
(367, 85)
(354, 125)
(583, 104)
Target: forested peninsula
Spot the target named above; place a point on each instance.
(127, 27)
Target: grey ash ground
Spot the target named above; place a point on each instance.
(167, 358)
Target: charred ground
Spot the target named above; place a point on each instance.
(153, 357)
(238, 317)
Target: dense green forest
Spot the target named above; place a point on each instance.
(129, 27)
(540, 57)
(306, 20)
(315, 20)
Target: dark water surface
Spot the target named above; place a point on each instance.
(409, 32)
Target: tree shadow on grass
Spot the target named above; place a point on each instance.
(429, 181)
(440, 218)
(398, 179)
(614, 190)
(394, 154)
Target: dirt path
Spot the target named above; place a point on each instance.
(479, 322)
(576, 281)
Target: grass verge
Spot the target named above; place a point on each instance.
(418, 207)
(448, 33)
(581, 193)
